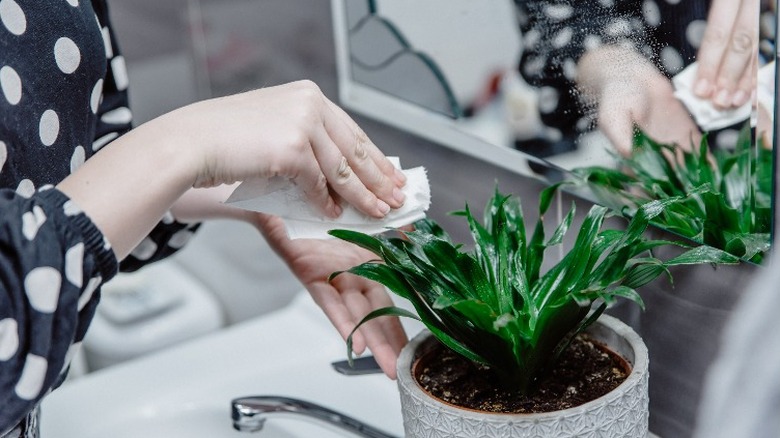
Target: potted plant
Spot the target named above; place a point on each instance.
(727, 193)
(494, 317)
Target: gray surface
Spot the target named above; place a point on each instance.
(250, 44)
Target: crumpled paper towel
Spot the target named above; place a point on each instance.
(281, 197)
(707, 116)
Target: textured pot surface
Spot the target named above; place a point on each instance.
(622, 413)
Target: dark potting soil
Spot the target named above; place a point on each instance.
(584, 372)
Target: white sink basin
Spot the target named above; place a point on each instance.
(186, 391)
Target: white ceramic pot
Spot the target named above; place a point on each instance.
(622, 413)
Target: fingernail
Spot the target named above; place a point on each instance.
(702, 88)
(723, 99)
(399, 176)
(399, 196)
(383, 207)
(740, 98)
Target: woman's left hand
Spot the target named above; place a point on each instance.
(728, 54)
(345, 300)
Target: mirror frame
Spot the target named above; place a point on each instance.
(415, 119)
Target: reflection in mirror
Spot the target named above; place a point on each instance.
(572, 82)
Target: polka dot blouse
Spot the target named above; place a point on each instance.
(63, 96)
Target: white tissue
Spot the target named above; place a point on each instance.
(281, 197)
(707, 116)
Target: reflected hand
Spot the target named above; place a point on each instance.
(649, 104)
(728, 54)
(629, 91)
(345, 300)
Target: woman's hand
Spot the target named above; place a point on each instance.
(292, 131)
(728, 54)
(629, 91)
(345, 300)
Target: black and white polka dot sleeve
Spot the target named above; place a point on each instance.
(556, 33)
(114, 118)
(52, 262)
(62, 98)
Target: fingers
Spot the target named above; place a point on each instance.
(727, 52)
(355, 168)
(333, 305)
(314, 183)
(617, 123)
(353, 299)
(384, 164)
(384, 336)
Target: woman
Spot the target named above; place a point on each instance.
(82, 196)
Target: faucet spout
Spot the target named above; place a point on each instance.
(250, 413)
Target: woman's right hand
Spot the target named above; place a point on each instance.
(290, 130)
(293, 131)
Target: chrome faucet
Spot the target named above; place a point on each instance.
(250, 414)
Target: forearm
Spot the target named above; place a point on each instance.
(127, 187)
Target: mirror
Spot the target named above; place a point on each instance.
(565, 90)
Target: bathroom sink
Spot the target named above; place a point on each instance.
(186, 391)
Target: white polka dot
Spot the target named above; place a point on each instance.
(591, 42)
(73, 3)
(120, 73)
(71, 209)
(42, 286)
(168, 218)
(671, 59)
(67, 55)
(49, 127)
(694, 33)
(180, 238)
(651, 13)
(77, 159)
(104, 140)
(33, 375)
(570, 69)
(32, 221)
(672, 2)
(562, 38)
(534, 66)
(92, 286)
(9, 338)
(3, 155)
(11, 84)
(554, 134)
(107, 42)
(145, 250)
(618, 27)
(607, 3)
(45, 187)
(72, 351)
(559, 12)
(74, 261)
(118, 116)
(97, 94)
(548, 99)
(12, 17)
(531, 38)
(727, 139)
(25, 189)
